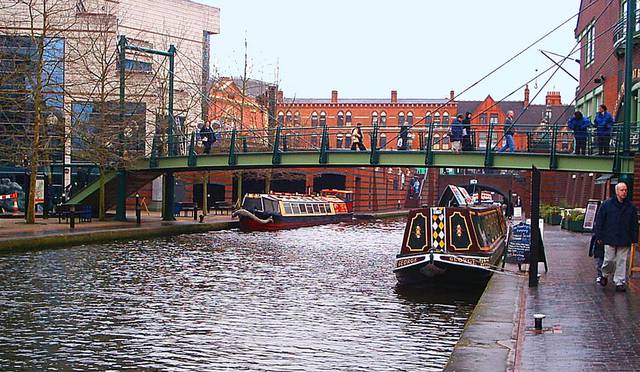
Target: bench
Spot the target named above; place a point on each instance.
(221, 206)
(83, 213)
(184, 207)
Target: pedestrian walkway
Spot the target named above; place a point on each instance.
(586, 327)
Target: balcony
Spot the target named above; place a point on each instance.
(620, 31)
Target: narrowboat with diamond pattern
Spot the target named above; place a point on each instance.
(455, 241)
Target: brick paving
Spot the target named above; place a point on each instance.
(596, 328)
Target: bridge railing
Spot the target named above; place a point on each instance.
(529, 138)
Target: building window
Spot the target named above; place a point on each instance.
(428, 119)
(289, 118)
(339, 141)
(383, 140)
(383, 119)
(314, 119)
(400, 118)
(588, 38)
(347, 141)
(436, 118)
(132, 65)
(323, 118)
(281, 118)
(314, 140)
(374, 118)
(348, 118)
(409, 118)
(296, 119)
(493, 119)
(445, 118)
(340, 119)
(483, 118)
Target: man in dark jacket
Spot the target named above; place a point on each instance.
(603, 122)
(616, 228)
(509, 131)
(579, 124)
(207, 136)
(455, 133)
(466, 132)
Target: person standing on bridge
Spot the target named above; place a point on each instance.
(509, 131)
(456, 133)
(207, 136)
(617, 228)
(356, 138)
(466, 132)
(579, 124)
(603, 122)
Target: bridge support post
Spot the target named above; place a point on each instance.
(233, 158)
(193, 159)
(628, 77)
(168, 197)
(375, 151)
(277, 156)
(121, 197)
(553, 157)
(324, 146)
(535, 228)
(488, 153)
(428, 158)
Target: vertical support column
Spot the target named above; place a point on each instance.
(488, 154)
(205, 194)
(168, 197)
(553, 158)
(277, 156)
(375, 152)
(628, 68)
(171, 150)
(121, 197)
(535, 228)
(428, 159)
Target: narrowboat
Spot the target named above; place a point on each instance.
(457, 241)
(278, 211)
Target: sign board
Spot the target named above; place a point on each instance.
(39, 190)
(517, 213)
(458, 195)
(519, 243)
(590, 214)
(466, 195)
(473, 182)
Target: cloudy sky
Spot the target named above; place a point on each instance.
(422, 49)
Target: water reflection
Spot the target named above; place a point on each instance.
(313, 298)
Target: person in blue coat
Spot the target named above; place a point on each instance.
(579, 125)
(603, 123)
(456, 133)
(617, 228)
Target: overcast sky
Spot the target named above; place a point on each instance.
(422, 49)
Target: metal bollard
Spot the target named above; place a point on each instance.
(138, 219)
(195, 211)
(538, 321)
(72, 217)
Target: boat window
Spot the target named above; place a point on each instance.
(322, 208)
(310, 208)
(252, 204)
(287, 208)
(271, 206)
(295, 208)
(328, 206)
(303, 209)
(316, 208)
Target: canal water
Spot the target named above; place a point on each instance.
(321, 298)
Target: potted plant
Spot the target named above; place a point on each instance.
(576, 220)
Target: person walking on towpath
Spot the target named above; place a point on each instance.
(509, 131)
(356, 138)
(455, 133)
(603, 122)
(616, 228)
(579, 125)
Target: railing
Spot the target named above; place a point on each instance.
(620, 29)
(528, 138)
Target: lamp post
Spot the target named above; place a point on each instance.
(138, 221)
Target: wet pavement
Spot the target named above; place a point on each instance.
(586, 327)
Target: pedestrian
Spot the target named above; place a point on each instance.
(455, 133)
(466, 132)
(356, 138)
(403, 138)
(617, 229)
(207, 137)
(597, 252)
(579, 124)
(603, 123)
(509, 131)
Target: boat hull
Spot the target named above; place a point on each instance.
(448, 268)
(291, 222)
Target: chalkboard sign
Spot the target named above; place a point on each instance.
(519, 243)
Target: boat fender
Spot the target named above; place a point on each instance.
(431, 258)
(246, 213)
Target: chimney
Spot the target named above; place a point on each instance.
(526, 95)
(452, 95)
(280, 96)
(334, 96)
(553, 99)
(394, 96)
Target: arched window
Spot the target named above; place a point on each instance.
(339, 140)
(400, 118)
(383, 140)
(445, 118)
(428, 119)
(347, 119)
(289, 117)
(340, 119)
(436, 142)
(409, 118)
(323, 118)
(374, 118)
(383, 119)
(436, 118)
(280, 118)
(347, 140)
(296, 119)
(314, 119)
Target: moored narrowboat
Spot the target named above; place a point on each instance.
(278, 211)
(455, 241)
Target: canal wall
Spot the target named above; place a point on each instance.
(65, 239)
(489, 339)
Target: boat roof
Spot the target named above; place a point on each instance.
(287, 197)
